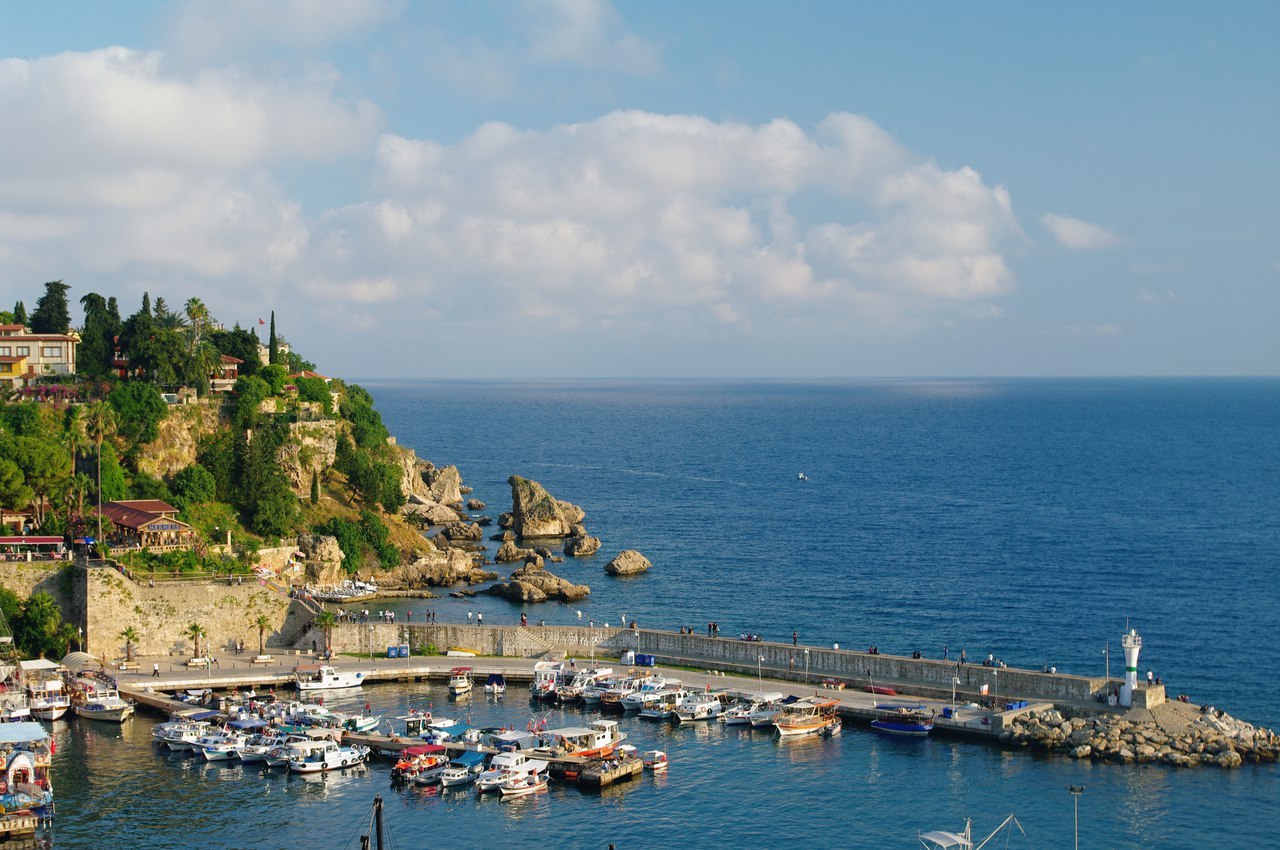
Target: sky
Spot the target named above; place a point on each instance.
(587, 189)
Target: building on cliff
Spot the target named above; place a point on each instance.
(25, 356)
(148, 524)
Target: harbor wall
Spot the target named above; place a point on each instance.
(161, 614)
(853, 669)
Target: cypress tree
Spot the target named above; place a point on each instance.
(315, 487)
(19, 313)
(273, 348)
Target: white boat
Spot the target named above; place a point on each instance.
(762, 718)
(463, 769)
(940, 839)
(181, 736)
(257, 746)
(741, 713)
(99, 700)
(504, 766)
(575, 690)
(13, 695)
(596, 740)
(221, 746)
(460, 681)
(46, 692)
(519, 786)
(648, 691)
(808, 716)
(317, 756)
(547, 678)
(421, 765)
(699, 706)
(323, 677)
(655, 760)
(663, 706)
(496, 684)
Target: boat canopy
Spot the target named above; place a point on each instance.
(496, 679)
(202, 715)
(423, 750)
(457, 670)
(468, 758)
(885, 706)
(23, 732)
(944, 840)
(248, 723)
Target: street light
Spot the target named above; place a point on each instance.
(371, 641)
(760, 671)
(1076, 791)
(806, 665)
(955, 681)
(1106, 652)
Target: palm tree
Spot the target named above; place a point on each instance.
(195, 631)
(130, 637)
(326, 620)
(263, 623)
(99, 422)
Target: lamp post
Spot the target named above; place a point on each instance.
(806, 665)
(1106, 652)
(371, 641)
(955, 681)
(1076, 791)
(760, 671)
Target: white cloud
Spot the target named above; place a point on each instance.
(1151, 296)
(206, 29)
(587, 33)
(1076, 234)
(640, 217)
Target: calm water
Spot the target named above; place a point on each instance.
(1025, 518)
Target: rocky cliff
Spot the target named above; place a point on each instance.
(180, 433)
(536, 513)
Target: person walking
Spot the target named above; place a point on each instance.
(795, 638)
(468, 618)
(479, 619)
(962, 655)
(155, 669)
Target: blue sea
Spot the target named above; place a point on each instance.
(1032, 519)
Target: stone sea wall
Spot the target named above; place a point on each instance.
(162, 613)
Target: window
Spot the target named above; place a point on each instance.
(24, 350)
(51, 351)
(5, 351)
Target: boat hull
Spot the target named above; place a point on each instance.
(109, 715)
(908, 730)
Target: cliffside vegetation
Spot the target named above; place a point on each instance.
(281, 452)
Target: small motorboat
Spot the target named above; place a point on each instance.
(800, 476)
(496, 684)
(322, 677)
(940, 839)
(460, 681)
(655, 760)
(523, 784)
(909, 720)
(463, 769)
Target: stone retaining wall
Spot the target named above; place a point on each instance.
(162, 613)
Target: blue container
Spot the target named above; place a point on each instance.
(403, 650)
(645, 660)
(946, 711)
(392, 651)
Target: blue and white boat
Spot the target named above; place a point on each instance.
(896, 719)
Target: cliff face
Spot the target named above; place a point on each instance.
(311, 447)
(180, 433)
(536, 513)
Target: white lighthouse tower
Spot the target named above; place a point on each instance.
(1132, 644)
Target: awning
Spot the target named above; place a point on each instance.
(248, 723)
(468, 758)
(22, 733)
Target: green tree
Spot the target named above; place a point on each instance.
(315, 487)
(217, 453)
(192, 485)
(37, 628)
(96, 353)
(240, 344)
(325, 621)
(196, 633)
(247, 397)
(275, 376)
(139, 408)
(14, 492)
(99, 422)
(273, 346)
(144, 486)
(52, 315)
(315, 389)
(263, 623)
(20, 314)
(130, 638)
(275, 512)
(43, 466)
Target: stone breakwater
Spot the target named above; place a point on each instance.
(1173, 733)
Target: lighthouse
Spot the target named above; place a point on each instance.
(1132, 644)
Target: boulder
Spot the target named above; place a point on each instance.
(439, 569)
(581, 544)
(628, 563)
(509, 552)
(536, 513)
(462, 531)
(475, 505)
(322, 557)
(445, 485)
(506, 520)
(1082, 752)
(430, 513)
(554, 587)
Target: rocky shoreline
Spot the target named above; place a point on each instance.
(1173, 733)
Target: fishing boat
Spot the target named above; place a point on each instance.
(598, 739)
(522, 785)
(655, 760)
(221, 746)
(323, 677)
(317, 756)
(26, 786)
(496, 684)
(257, 746)
(504, 766)
(421, 765)
(807, 716)
(548, 676)
(463, 769)
(762, 718)
(94, 697)
(576, 690)
(46, 692)
(646, 693)
(908, 720)
(460, 681)
(939, 839)
(740, 713)
(699, 706)
(663, 706)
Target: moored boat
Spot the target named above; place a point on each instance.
(94, 697)
(548, 676)
(46, 692)
(598, 739)
(504, 766)
(460, 681)
(463, 769)
(317, 756)
(495, 684)
(522, 785)
(323, 677)
(908, 720)
(421, 765)
(655, 760)
(807, 716)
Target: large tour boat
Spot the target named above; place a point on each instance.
(46, 691)
(599, 739)
(910, 720)
(807, 716)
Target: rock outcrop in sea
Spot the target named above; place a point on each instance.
(440, 569)
(322, 558)
(629, 562)
(533, 583)
(581, 544)
(536, 513)
(1174, 733)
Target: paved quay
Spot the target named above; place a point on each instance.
(243, 671)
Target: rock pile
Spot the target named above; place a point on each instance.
(1205, 737)
(532, 583)
(536, 513)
